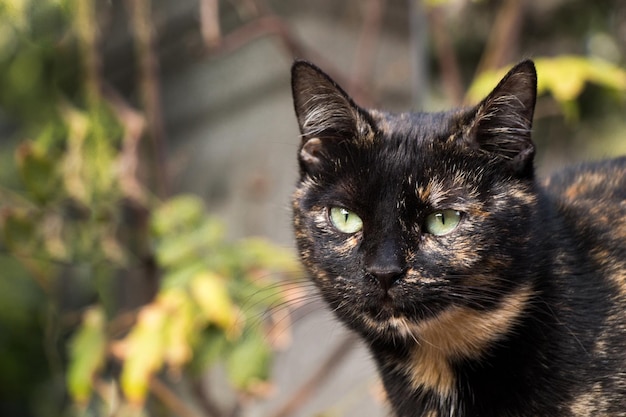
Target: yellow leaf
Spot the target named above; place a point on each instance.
(180, 327)
(210, 293)
(609, 75)
(74, 162)
(144, 352)
(435, 3)
(87, 354)
(563, 76)
(17, 12)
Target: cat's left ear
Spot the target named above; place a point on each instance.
(501, 124)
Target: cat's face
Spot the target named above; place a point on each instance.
(400, 217)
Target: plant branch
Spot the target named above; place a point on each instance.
(199, 389)
(269, 24)
(325, 370)
(134, 125)
(366, 47)
(86, 30)
(149, 88)
(448, 63)
(210, 23)
(504, 37)
(170, 399)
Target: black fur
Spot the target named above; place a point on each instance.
(518, 311)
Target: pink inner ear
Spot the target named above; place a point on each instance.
(310, 152)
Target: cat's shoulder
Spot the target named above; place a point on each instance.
(590, 200)
(602, 182)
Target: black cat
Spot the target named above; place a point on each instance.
(479, 290)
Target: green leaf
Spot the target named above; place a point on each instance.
(89, 168)
(260, 253)
(211, 347)
(176, 252)
(182, 213)
(19, 231)
(38, 172)
(182, 275)
(249, 361)
(87, 354)
(181, 249)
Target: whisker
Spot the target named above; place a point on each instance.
(278, 289)
(278, 328)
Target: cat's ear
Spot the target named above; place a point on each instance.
(501, 124)
(326, 114)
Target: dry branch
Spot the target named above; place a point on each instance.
(325, 370)
(141, 22)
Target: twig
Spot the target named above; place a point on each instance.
(370, 32)
(199, 389)
(267, 25)
(419, 53)
(246, 9)
(446, 56)
(86, 29)
(170, 399)
(149, 88)
(271, 25)
(210, 22)
(325, 370)
(504, 36)
(128, 160)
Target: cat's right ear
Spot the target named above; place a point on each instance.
(501, 124)
(326, 114)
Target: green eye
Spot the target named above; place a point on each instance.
(345, 221)
(442, 222)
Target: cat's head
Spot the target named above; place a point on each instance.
(400, 217)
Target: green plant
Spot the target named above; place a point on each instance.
(116, 289)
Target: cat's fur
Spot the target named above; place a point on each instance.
(520, 310)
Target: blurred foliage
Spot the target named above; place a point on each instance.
(78, 228)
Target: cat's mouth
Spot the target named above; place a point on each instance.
(390, 310)
(384, 307)
(388, 322)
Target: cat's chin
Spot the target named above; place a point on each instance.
(385, 313)
(389, 326)
(387, 320)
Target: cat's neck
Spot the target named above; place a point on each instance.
(436, 375)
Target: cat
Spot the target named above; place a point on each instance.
(478, 289)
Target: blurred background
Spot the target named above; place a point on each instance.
(147, 156)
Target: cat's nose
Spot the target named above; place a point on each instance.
(386, 275)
